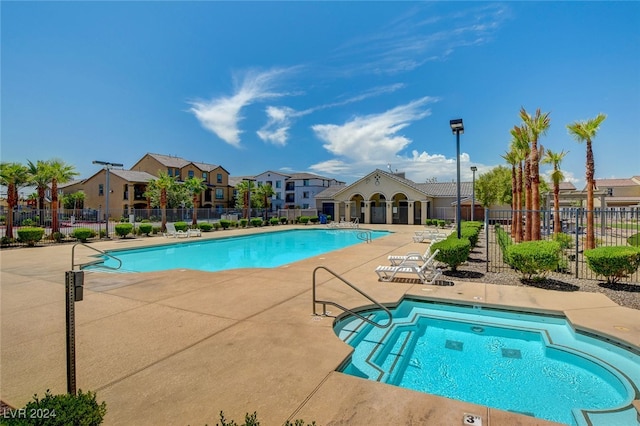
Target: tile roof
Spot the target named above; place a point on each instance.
(133, 175)
(170, 161)
(567, 186)
(609, 183)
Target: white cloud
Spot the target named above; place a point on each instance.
(372, 138)
(221, 115)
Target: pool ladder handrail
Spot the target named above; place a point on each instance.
(328, 302)
(364, 236)
(104, 253)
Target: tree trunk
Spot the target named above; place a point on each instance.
(557, 228)
(527, 200)
(55, 225)
(535, 192)
(518, 217)
(11, 204)
(514, 199)
(163, 209)
(194, 222)
(591, 239)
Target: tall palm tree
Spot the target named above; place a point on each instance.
(161, 187)
(195, 186)
(41, 177)
(13, 176)
(511, 157)
(555, 158)
(585, 131)
(537, 126)
(60, 173)
(265, 192)
(245, 188)
(520, 143)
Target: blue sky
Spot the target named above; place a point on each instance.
(333, 88)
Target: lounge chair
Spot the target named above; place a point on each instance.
(173, 233)
(427, 273)
(194, 232)
(428, 236)
(411, 256)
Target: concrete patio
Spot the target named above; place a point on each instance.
(178, 347)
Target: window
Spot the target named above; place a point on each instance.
(278, 196)
(191, 173)
(291, 186)
(610, 192)
(278, 184)
(219, 194)
(169, 171)
(204, 175)
(100, 189)
(269, 183)
(305, 182)
(126, 192)
(219, 178)
(176, 173)
(305, 206)
(305, 194)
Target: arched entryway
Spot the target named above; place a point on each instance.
(400, 209)
(357, 208)
(377, 208)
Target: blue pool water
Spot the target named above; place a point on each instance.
(267, 250)
(531, 364)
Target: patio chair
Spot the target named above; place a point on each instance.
(194, 232)
(427, 273)
(411, 256)
(173, 233)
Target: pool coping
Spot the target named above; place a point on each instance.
(180, 346)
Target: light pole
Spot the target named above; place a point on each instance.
(473, 192)
(457, 127)
(107, 166)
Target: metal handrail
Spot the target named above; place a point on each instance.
(327, 302)
(73, 261)
(364, 236)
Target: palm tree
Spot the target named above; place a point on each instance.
(537, 126)
(555, 159)
(41, 177)
(265, 192)
(585, 131)
(511, 157)
(13, 176)
(520, 144)
(60, 173)
(195, 186)
(161, 186)
(245, 188)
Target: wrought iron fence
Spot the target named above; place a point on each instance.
(611, 229)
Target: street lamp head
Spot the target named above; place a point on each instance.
(474, 168)
(457, 126)
(108, 164)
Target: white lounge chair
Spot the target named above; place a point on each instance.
(426, 273)
(411, 256)
(428, 236)
(173, 233)
(194, 232)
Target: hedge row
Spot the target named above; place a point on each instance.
(454, 251)
(613, 262)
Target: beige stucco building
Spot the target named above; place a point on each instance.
(383, 197)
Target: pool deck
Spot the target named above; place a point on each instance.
(178, 347)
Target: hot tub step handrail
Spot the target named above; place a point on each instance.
(104, 253)
(328, 302)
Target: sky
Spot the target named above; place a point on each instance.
(332, 88)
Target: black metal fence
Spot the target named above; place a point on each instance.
(611, 228)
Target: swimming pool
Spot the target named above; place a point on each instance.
(265, 250)
(531, 364)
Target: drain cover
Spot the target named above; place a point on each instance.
(511, 353)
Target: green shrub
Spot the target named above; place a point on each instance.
(58, 237)
(5, 241)
(453, 251)
(534, 258)
(328, 217)
(181, 226)
(207, 227)
(243, 223)
(103, 233)
(144, 221)
(314, 219)
(634, 240)
(146, 228)
(565, 240)
(157, 230)
(504, 241)
(252, 420)
(274, 221)
(30, 235)
(613, 262)
(256, 221)
(284, 220)
(469, 232)
(28, 222)
(440, 223)
(124, 229)
(83, 234)
(303, 219)
(225, 223)
(61, 410)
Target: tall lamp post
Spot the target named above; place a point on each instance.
(107, 165)
(457, 127)
(473, 191)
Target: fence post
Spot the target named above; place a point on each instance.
(486, 237)
(577, 227)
